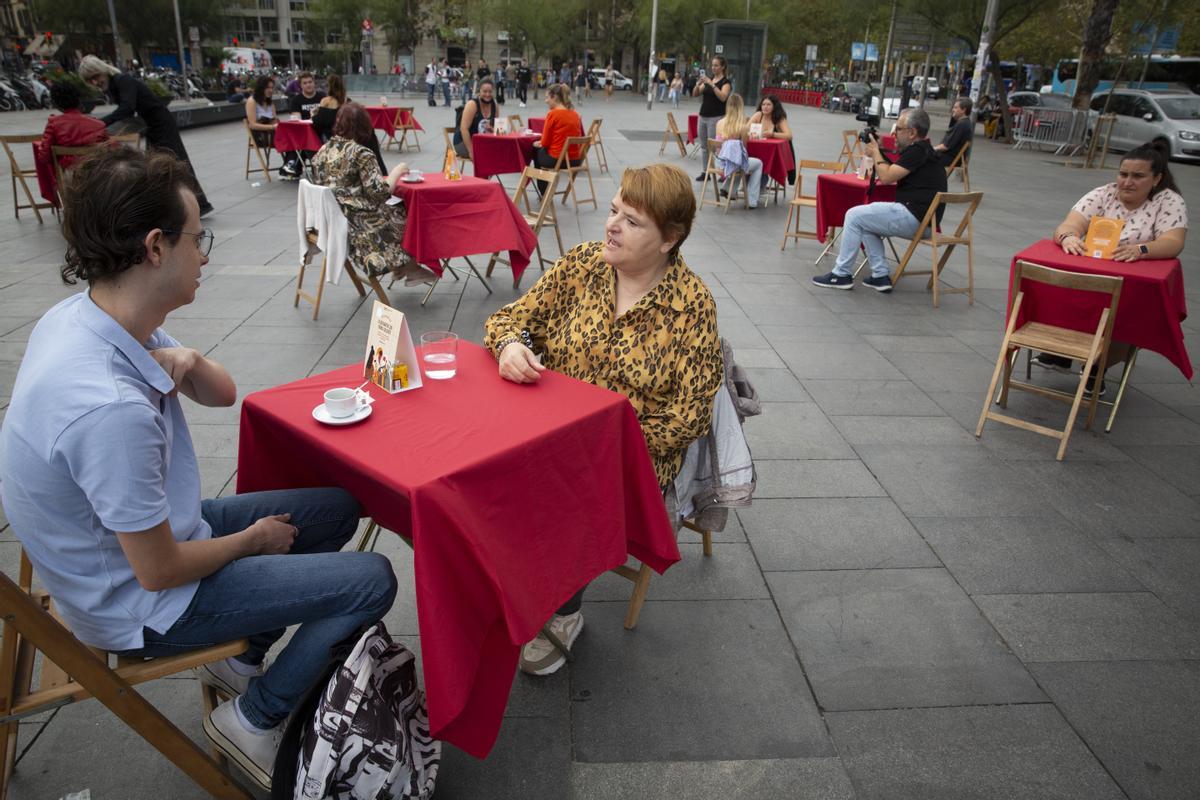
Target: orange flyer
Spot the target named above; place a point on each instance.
(1103, 235)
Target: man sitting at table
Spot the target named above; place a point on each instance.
(305, 104)
(918, 177)
(961, 131)
(100, 481)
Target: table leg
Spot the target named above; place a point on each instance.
(829, 246)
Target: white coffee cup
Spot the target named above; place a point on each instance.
(342, 402)
(414, 174)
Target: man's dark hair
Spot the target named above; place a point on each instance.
(64, 95)
(918, 120)
(304, 75)
(965, 104)
(113, 198)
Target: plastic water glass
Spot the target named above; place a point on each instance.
(439, 354)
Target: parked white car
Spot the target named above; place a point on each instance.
(1142, 115)
(619, 80)
(931, 92)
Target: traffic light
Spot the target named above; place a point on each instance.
(235, 41)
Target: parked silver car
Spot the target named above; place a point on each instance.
(1142, 115)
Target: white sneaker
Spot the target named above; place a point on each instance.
(522, 105)
(541, 656)
(223, 677)
(253, 752)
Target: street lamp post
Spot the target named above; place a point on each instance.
(183, 70)
(112, 20)
(653, 50)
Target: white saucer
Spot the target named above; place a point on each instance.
(407, 179)
(322, 416)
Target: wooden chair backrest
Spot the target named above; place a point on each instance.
(929, 221)
(959, 158)
(515, 123)
(129, 139)
(1103, 284)
(671, 126)
(594, 129)
(813, 166)
(546, 207)
(25, 138)
(583, 143)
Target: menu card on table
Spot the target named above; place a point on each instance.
(391, 360)
(1103, 235)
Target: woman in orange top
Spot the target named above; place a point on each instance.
(562, 121)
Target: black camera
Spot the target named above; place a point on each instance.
(867, 133)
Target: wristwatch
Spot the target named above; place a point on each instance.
(1143, 249)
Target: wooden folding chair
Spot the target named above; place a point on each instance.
(640, 577)
(448, 134)
(253, 146)
(71, 671)
(18, 174)
(672, 132)
(58, 153)
(582, 144)
(852, 151)
(963, 235)
(133, 140)
(1089, 347)
(515, 124)
(960, 163)
(712, 174)
(801, 200)
(544, 216)
(598, 145)
(405, 125)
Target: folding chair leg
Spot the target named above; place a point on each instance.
(638, 598)
(1130, 360)
(379, 290)
(210, 698)
(370, 535)
(991, 392)
(837, 232)
(1075, 404)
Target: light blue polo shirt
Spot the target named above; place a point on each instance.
(93, 444)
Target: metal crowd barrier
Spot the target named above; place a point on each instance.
(1056, 128)
(799, 97)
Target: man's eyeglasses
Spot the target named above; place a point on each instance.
(204, 239)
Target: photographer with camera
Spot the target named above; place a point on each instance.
(918, 176)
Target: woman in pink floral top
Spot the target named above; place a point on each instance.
(1145, 196)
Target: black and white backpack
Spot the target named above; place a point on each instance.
(368, 738)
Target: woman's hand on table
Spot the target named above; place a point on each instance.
(519, 365)
(1127, 252)
(273, 535)
(1073, 245)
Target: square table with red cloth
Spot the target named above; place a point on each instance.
(776, 156)
(515, 497)
(500, 154)
(1151, 308)
(693, 127)
(449, 219)
(537, 124)
(838, 193)
(383, 118)
(296, 134)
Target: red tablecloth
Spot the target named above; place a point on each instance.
(383, 118)
(296, 134)
(499, 154)
(1150, 312)
(515, 497)
(449, 219)
(776, 156)
(693, 127)
(887, 142)
(536, 124)
(837, 194)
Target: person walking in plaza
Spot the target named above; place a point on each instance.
(431, 79)
(918, 176)
(961, 131)
(102, 484)
(633, 288)
(713, 92)
(676, 90)
(468, 81)
(662, 84)
(443, 77)
(524, 76)
(608, 82)
(132, 97)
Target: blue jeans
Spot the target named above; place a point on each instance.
(329, 594)
(446, 92)
(865, 226)
(431, 87)
(753, 181)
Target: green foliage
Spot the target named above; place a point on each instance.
(85, 89)
(160, 89)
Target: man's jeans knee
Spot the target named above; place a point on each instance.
(864, 227)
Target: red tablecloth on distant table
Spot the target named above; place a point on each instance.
(515, 497)
(887, 142)
(383, 118)
(1150, 312)
(536, 124)
(838, 193)
(296, 134)
(499, 154)
(449, 219)
(693, 127)
(776, 156)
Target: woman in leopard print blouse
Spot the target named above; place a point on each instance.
(626, 314)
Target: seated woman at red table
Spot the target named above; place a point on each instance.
(260, 111)
(562, 122)
(733, 130)
(628, 315)
(347, 165)
(478, 116)
(71, 128)
(1146, 198)
(773, 119)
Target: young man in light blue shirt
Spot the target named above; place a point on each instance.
(99, 478)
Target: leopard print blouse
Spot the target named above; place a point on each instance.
(664, 354)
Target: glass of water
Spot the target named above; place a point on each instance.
(439, 354)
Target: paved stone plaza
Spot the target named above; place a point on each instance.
(905, 611)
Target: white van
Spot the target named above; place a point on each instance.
(246, 60)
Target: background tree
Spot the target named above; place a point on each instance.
(1096, 35)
